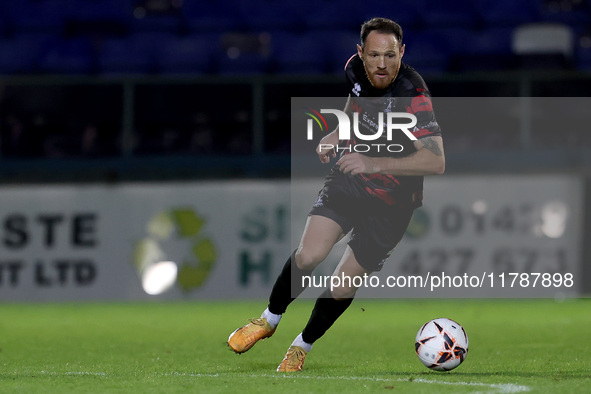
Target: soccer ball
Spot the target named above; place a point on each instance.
(441, 344)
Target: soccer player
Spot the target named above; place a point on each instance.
(372, 195)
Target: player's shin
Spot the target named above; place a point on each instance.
(326, 311)
(288, 286)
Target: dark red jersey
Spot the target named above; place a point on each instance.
(408, 93)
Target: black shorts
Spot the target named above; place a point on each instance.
(375, 230)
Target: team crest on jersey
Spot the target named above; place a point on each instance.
(390, 102)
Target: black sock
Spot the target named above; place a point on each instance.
(287, 287)
(326, 311)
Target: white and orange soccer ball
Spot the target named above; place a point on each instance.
(441, 344)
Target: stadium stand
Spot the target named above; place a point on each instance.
(260, 52)
(440, 28)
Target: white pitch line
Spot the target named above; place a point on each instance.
(498, 387)
(87, 373)
(502, 387)
(73, 373)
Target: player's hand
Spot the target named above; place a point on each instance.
(356, 163)
(327, 147)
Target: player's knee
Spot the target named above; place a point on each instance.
(308, 260)
(343, 293)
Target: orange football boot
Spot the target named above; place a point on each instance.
(243, 338)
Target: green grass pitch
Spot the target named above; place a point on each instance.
(537, 346)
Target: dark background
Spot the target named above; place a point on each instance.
(119, 90)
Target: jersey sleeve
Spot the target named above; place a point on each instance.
(419, 103)
(421, 106)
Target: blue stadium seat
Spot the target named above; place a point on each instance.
(4, 19)
(128, 13)
(67, 56)
(20, 54)
(37, 16)
(187, 55)
(245, 63)
(449, 13)
(405, 12)
(269, 15)
(329, 15)
(486, 50)
(99, 18)
(210, 16)
(493, 40)
(99, 10)
(338, 47)
(427, 52)
(299, 53)
(572, 13)
(242, 53)
(142, 21)
(135, 54)
(507, 13)
(454, 39)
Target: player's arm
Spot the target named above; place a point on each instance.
(429, 159)
(326, 146)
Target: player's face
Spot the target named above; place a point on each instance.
(381, 55)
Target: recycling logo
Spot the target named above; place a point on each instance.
(177, 235)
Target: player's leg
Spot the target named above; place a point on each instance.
(372, 241)
(319, 236)
(328, 308)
